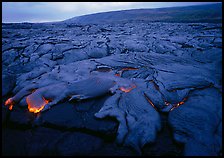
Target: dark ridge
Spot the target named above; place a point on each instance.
(211, 13)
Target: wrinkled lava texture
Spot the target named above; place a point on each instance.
(112, 89)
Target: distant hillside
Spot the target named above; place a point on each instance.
(211, 13)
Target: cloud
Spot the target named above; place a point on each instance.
(57, 11)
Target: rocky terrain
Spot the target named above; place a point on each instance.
(127, 88)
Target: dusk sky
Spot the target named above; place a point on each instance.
(58, 11)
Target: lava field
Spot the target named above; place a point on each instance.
(127, 88)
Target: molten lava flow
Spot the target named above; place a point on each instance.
(126, 90)
(124, 69)
(150, 102)
(178, 104)
(10, 106)
(117, 75)
(9, 102)
(34, 109)
(128, 68)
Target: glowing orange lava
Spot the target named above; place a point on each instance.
(129, 68)
(124, 69)
(126, 90)
(33, 108)
(178, 104)
(151, 102)
(9, 102)
(10, 106)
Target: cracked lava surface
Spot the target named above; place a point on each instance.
(158, 74)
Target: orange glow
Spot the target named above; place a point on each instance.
(178, 104)
(125, 69)
(181, 103)
(10, 106)
(34, 109)
(9, 102)
(151, 102)
(126, 90)
(129, 68)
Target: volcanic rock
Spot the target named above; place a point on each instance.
(93, 88)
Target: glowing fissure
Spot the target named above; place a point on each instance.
(124, 69)
(118, 74)
(178, 104)
(129, 68)
(126, 90)
(151, 103)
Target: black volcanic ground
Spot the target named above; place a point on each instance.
(123, 88)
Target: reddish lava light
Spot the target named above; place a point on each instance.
(9, 102)
(151, 103)
(129, 68)
(178, 104)
(117, 75)
(10, 106)
(126, 90)
(34, 108)
(124, 69)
